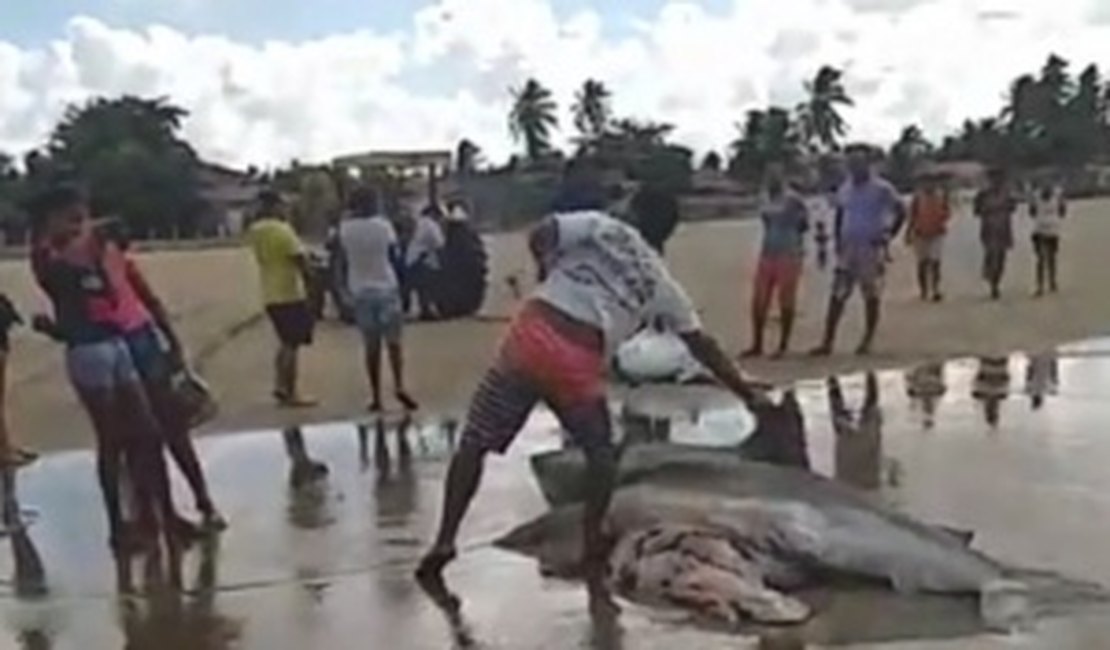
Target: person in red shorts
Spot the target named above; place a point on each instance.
(785, 222)
(599, 282)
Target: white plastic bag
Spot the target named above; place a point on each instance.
(653, 356)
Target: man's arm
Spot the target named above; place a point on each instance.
(708, 352)
(674, 308)
(898, 206)
(803, 215)
(295, 249)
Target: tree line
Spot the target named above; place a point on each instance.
(1049, 119)
(131, 154)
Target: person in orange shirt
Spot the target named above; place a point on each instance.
(930, 212)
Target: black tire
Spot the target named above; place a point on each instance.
(460, 286)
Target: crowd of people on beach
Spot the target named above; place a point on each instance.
(600, 280)
(868, 215)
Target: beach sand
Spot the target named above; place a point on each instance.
(213, 296)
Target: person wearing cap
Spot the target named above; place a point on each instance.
(283, 268)
(599, 282)
(930, 212)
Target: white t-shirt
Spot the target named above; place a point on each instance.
(427, 239)
(367, 244)
(1047, 213)
(603, 273)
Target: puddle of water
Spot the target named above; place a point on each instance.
(1010, 449)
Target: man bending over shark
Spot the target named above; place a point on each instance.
(599, 281)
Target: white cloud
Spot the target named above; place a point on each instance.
(932, 62)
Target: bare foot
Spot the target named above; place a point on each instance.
(864, 349)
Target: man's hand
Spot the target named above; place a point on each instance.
(46, 326)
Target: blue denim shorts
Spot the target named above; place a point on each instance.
(101, 366)
(148, 354)
(379, 315)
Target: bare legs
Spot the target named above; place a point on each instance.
(778, 278)
(928, 280)
(872, 312)
(589, 425)
(373, 359)
(10, 454)
(1046, 249)
(127, 433)
(181, 448)
(994, 268)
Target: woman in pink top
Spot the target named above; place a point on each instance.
(157, 354)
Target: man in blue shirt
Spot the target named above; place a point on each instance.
(865, 207)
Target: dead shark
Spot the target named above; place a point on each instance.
(707, 530)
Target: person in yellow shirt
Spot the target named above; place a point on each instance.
(283, 269)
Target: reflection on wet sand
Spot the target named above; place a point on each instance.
(29, 573)
(341, 519)
(309, 502)
(991, 387)
(29, 579)
(172, 618)
(925, 386)
(396, 492)
(780, 435)
(859, 436)
(1042, 377)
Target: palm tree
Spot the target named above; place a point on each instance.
(767, 137)
(466, 157)
(533, 118)
(820, 118)
(1056, 80)
(592, 110)
(906, 155)
(712, 162)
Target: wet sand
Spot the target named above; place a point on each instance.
(327, 565)
(213, 297)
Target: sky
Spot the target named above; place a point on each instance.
(267, 81)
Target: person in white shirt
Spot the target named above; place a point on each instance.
(600, 281)
(1047, 208)
(370, 253)
(422, 261)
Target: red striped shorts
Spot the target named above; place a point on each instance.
(536, 362)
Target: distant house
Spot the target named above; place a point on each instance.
(228, 195)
